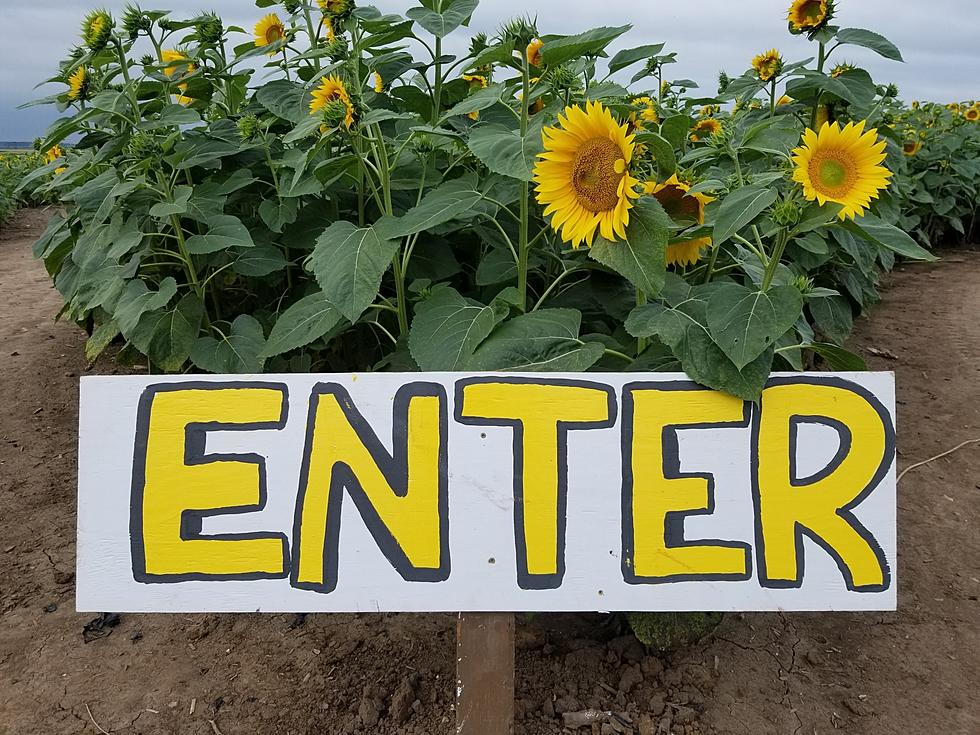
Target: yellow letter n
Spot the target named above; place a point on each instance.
(176, 484)
(402, 498)
(819, 507)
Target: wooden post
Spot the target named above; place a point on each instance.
(485, 674)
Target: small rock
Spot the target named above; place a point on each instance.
(684, 716)
(814, 657)
(529, 639)
(628, 648)
(548, 708)
(651, 666)
(401, 702)
(630, 678)
(861, 709)
(369, 712)
(607, 729)
(50, 607)
(566, 704)
(64, 577)
(646, 725)
(657, 704)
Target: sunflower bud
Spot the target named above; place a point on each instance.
(166, 24)
(336, 49)
(891, 91)
(334, 113)
(723, 81)
(518, 32)
(97, 29)
(422, 144)
(562, 79)
(478, 43)
(135, 21)
(210, 30)
(142, 145)
(804, 284)
(248, 127)
(292, 6)
(147, 60)
(787, 213)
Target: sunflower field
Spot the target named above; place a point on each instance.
(940, 184)
(14, 166)
(333, 191)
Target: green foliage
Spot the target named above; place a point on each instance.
(14, 166)
(665, 632)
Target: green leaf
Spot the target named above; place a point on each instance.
(349, 263)
(224, 231)
(674, 130)
(706, 363)
(448, 328)
(593, 42)
(642, 258)
(838, 358)
(503, 151)
(871, 40)
(630, 56)
(663, 153)
(833, 316)
(477, 101)
(101, 337)
(304, 322)
(778, 135)
(878, 231)
(136, 299)
(443, 204)
(235, 353)
(283, 99)
(167, 336)
(259, 261)
(178, 205)
(542, 341)
(745, 323)
(442, 24)
(739, 208)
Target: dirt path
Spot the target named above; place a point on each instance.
(914, 671)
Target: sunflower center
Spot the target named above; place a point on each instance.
(598, 170)
(811, 11)
(273, 34)
(678, 205)
(832, 173)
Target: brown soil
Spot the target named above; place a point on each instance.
(914, 671)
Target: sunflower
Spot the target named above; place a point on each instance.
(953, 107)
(768, 64)
(785, 100)
(475, 81)
(674, 197)
(915, 104)
(534, 52)
(171, 55)
(841, 69)
(911, 147)
(842, 165)
(705, 129)
(973, 114)
(648, 110)
(809, 15)
(331, 90)
(379, 83)
(53, 154)
(78, 85)
(340, 9)
(583, 178)
(823, 115)
(269, 30)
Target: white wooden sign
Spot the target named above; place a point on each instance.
(480, 492)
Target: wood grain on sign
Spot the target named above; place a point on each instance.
(485, 674)
(482, 492)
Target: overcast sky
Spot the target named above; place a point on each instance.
(938, 39)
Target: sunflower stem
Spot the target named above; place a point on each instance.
(772, 99)
(821, 60)
(522, 245)
(774, 260)
(641, 342)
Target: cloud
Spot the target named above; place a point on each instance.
(937, 38)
